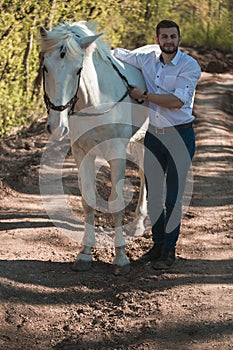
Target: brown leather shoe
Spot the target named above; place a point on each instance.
(153, 254)
(166, 260)
(171, 257)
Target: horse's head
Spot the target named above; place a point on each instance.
(63, 51)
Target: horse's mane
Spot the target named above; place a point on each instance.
(65, 35)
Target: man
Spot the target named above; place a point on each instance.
(171, 79)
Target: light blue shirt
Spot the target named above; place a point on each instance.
(179, 78)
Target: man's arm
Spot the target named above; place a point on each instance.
(183, 92)
(163, 100)
(128, 56)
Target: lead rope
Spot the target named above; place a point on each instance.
(128, 86)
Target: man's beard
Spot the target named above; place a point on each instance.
(169, 51)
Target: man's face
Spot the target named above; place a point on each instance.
(168, 40)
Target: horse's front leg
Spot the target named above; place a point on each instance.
(116, 207)
(87, 177)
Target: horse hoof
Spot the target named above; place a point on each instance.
(121, 270)
(81, 265)
(139, 230)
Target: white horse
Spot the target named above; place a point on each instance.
(81, 74)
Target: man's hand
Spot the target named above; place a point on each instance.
(136, 93)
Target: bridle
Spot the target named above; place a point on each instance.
(72, 102)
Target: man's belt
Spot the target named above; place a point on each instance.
(162, 131)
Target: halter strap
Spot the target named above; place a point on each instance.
(71, 103)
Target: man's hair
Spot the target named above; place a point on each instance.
(167, 24)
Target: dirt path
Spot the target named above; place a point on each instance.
(45, 305)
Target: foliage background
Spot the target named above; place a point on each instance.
(126, 23)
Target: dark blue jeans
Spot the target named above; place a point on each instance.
(166, 164)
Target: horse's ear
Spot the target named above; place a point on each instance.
(88, 40)
(43, 32)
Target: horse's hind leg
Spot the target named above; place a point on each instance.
(116, 207)
(136, 150)
(141, 210)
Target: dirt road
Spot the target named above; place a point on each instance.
(45, 305)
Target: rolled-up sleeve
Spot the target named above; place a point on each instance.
(186, 83)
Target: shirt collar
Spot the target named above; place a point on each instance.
(175, 59)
